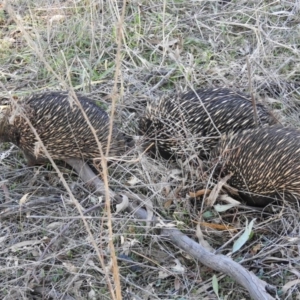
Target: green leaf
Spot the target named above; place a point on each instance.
(215, 284)
(244, 237)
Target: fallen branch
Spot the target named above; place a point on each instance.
(257, 288)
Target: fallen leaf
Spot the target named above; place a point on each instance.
(255, 249)
(289, 285)
(24, 244)
(221, 208)
(211, 199)
(229, 200)
(133, 181)
(177, 284)
(218, 226)
(244, 237)
(215, 285)
(201, 239)
(54, 225)
(200, 193)
(123, 205)
(168, 203)
(23, 200)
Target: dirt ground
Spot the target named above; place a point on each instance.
(162, 48)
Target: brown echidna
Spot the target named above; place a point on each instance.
(61, 126)
(196, 120)
(265, 163)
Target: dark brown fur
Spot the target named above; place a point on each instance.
(265, 163)
(195, 121)
(61, 126)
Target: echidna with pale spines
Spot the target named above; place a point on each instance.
(265, 163)
(61, 126)
(195, 120)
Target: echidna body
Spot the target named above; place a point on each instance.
(195, 120)
(265, 163)
(61, 126)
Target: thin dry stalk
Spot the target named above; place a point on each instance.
(251, 93)
(115, 95)
(29, 40)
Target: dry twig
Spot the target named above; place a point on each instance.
(257, 288)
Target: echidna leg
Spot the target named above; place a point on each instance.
(33, 161)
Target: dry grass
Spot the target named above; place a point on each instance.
(165, 47)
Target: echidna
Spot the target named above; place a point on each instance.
(61, 126)
(195, 120)
(265, 163)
